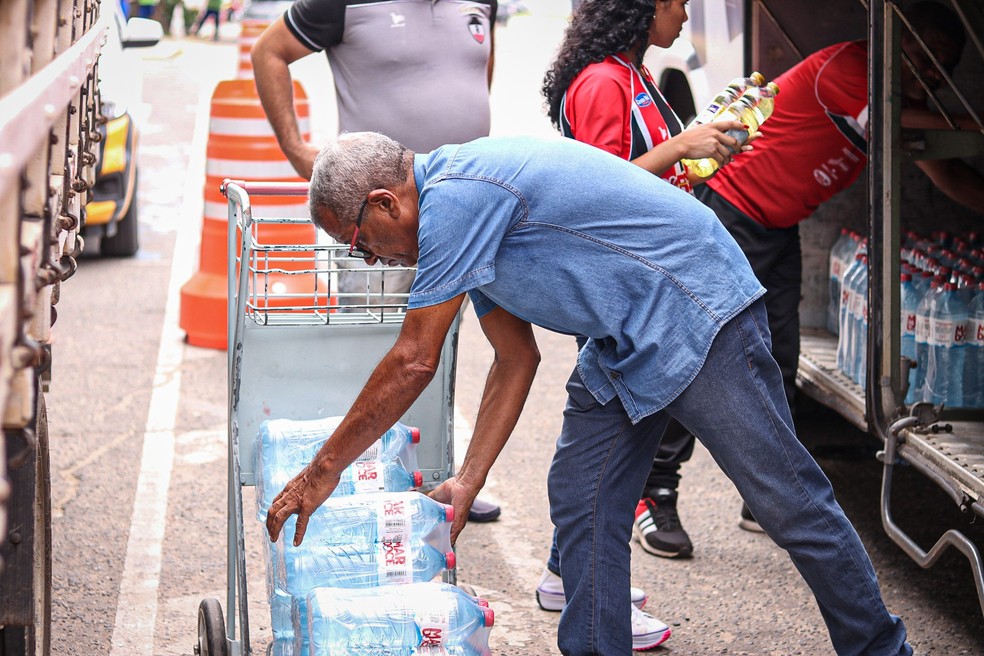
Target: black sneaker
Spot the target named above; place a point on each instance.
(483, 511)
(657, 526)
(748, 522)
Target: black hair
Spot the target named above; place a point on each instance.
(929, 16)
(598, 28)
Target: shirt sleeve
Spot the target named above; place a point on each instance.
(318, 24)
(842, 85)
(462, 223)
(598, 111)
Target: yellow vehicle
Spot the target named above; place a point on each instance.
(111, 215)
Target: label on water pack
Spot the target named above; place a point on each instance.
(922, 328)
(975, 332)
(946, 332)
(909, 324)
(393, 520)
(435, 623)
(368, 476)
(372, 453)
(395, 563)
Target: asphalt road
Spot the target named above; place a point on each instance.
(131, 407)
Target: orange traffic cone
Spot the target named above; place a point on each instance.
(251, 30)
(241, 145)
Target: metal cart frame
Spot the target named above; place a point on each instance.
(300, 356)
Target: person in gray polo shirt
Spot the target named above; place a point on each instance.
(417, 71)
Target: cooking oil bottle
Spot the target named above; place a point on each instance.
(731, 93)
(752, 109)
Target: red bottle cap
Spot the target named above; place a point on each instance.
(489, 616)
(449, 560)
(448, 512)
(414, 435)
(418, 479)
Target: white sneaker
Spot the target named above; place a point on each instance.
(550, 593)
(647, 631)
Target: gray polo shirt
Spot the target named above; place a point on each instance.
(415, 70)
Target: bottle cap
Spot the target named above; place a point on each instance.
(418, 479)
(906, 277)
(449, 560)
(489, 616)
(484, 603)
(448, 512)
(414, 435)
(950, 287)
(757, 78)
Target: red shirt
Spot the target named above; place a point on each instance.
(614, 106)
(813, 145)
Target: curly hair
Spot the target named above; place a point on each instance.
(598, 28)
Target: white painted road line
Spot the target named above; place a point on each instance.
(136, 610)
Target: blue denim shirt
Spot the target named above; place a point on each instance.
(578, 241)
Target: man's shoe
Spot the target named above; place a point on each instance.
(748, 522)
(657, 526)
(483, 511)
(647, 631)
(550, 593)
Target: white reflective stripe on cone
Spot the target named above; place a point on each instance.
(248, 127)
(238, 168)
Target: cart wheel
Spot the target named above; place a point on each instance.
(211, 629)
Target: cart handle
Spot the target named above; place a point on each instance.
(259, 188)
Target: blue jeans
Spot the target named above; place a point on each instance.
(737, 407)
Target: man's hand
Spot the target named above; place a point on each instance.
(455, 493)
(301, 496)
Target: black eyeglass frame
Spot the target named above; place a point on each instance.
(359, 253)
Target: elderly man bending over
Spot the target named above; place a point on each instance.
(561, 235)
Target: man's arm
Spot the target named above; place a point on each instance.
(506, 389)
(272, 53)
(394, 385)
(956, 179)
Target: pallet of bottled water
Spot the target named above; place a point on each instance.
(942, 314)
(361, 582)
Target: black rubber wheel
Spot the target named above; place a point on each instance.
(211, 629)
(126, 241)
(34, 637)
(41, 631)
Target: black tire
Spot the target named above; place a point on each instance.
(126, 241)
(41, 631)
(211, 629)
(34, 638)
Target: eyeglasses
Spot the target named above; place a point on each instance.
(359, 253)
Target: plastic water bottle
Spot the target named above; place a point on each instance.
(947, 337)
(859, 317)
(909, 300)
(845, 341)
(838, 264)
(974, 360)
(414, 616)
(385, 563)
(753, 109)
(367, 476)
(923, 312)
(366, 519)
(731, 93)
(283, 447)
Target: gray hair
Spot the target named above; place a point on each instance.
(351, 166)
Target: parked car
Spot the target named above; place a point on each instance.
(111, 215)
